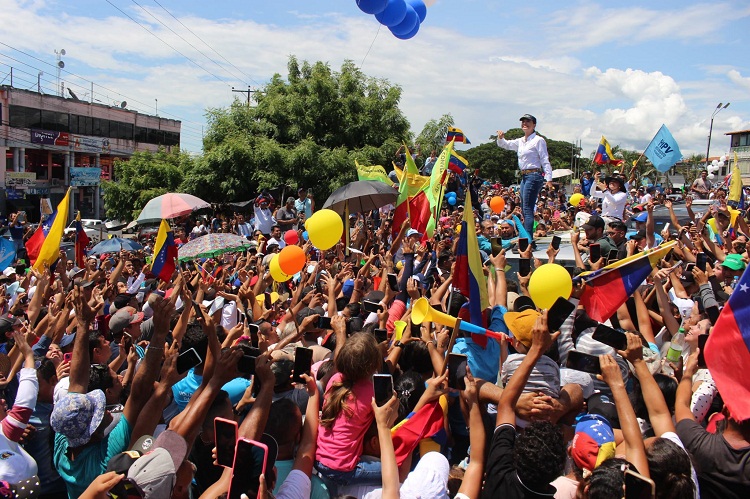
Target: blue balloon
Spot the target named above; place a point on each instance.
(450, 194)
(452, 201)
(407, 25)
(305, 236)
(372, 6)
(393, 14)
(420, 8)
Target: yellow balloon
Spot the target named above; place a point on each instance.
(276, 272)
(576, 198)
(548, 283)
(324, 229)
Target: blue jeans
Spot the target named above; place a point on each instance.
(531, 184)
(367, 472)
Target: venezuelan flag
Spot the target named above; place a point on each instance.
(34, 243)
(469, 277)
(609, 287)
(457, 163)
(604, 154)
(727, 351)
(456, 135)
(50, 249)
(165, 252)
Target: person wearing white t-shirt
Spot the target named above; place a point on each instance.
(614, 199)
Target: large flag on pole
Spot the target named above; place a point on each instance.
(735, 186)
(457, 164)
(469, 277)
(604, 154)
(82, 240)
(438, 178)
(165, 252)
(663, 151)
(412, 199)
(50, 249)
(609, 287)
(727, 351)
(374, 172)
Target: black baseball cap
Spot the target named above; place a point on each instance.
(528, 117)
(594, 222)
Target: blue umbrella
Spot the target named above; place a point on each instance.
(114, 245)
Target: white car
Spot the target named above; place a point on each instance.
(93, 228)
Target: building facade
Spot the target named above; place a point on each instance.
(740, 145)
(50, 143)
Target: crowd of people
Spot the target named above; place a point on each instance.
(114, 382)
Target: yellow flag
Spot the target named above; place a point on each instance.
(735, 184)
(374, 172)
(50, 249)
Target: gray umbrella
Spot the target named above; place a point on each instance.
(361, 196)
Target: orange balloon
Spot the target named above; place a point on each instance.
(497, 204)
(292, 259)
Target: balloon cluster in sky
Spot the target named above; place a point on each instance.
(402, 17)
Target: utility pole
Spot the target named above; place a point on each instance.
(248, 92)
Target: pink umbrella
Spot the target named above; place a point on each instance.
(170, 205)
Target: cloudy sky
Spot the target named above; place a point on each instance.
(583, 68)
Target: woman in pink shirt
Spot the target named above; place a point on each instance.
(347, 414)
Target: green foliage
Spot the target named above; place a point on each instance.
(144, 176)
(432, 136)
(305, 130)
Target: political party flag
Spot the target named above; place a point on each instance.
(663, 151)
(374, 172)
(438, 178)
(609, 287)
(416, 181)
(165, 252)
(49, 251)
(82, 240)
(727, 351)
(457, 164)
(412, 199)
(34, 243)
(456, 135)
(7, 252)
(604, 154)
(469, 277)
(735, 186)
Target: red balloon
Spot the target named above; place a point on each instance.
(291, 237)
(292, 259)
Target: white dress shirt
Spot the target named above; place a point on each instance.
(532, 153)
(613, 205)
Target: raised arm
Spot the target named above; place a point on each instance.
(471, 486)
(541, 341)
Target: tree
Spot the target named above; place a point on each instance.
(141, 178)
(432, 136)
(306, 130)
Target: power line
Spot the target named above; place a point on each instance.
(184, 40)
(167, 44)
(125, 97)
(206, 44)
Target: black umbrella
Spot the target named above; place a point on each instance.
(361, 196)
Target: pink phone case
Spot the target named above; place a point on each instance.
(234, 467)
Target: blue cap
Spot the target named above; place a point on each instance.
(641, 217)
(348, 288)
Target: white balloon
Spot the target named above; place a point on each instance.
(429, 3)
(715, 162)
(711, 176)
(722, 159)
(721, 163)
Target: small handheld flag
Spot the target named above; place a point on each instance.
(456, 135)
(604, 154)
(82, 240)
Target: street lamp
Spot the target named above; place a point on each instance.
(711, 128)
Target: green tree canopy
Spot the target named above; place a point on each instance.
(305, 130)
(144, 176)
